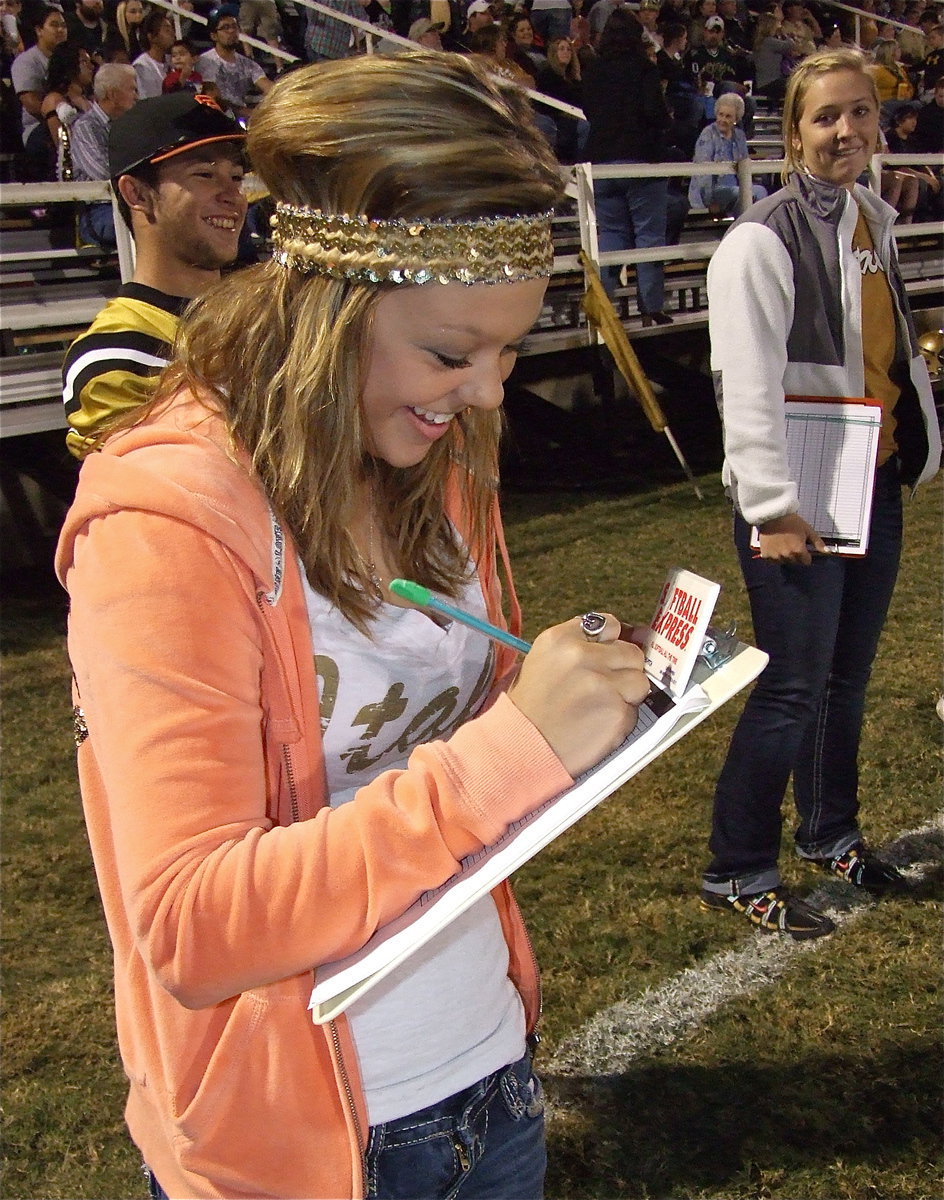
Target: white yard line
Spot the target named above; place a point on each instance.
(609, 1041)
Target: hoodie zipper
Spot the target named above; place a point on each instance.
(348, 1089)
(290, 779)
(349, 1097)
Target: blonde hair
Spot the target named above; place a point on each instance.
(885, 51)
(814, 67)
(767, 24)
(283, 353)
(124, 29)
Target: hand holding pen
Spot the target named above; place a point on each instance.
(790, 539)
(582, 694)
(580, 684)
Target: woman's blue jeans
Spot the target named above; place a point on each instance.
(631, 215)
(484, 1143)
(821, 626)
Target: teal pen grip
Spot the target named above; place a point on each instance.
(424, 598)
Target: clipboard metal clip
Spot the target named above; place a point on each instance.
(718, 647)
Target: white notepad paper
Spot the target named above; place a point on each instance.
(832, 448)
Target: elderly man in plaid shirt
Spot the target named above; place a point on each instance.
(327, 38)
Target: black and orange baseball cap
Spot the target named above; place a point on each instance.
(158, 128)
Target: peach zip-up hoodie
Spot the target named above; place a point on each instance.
(225, 876)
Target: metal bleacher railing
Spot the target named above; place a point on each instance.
(29, 381)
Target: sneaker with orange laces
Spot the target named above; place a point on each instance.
(774, 911)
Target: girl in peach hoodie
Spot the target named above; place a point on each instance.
(277, 757)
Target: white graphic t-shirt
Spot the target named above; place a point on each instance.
(450, 1015)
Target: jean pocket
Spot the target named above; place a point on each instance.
(427, 1161)
(521, 1091)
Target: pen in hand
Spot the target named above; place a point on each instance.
(422, 597)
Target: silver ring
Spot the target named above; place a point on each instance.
(592, 625)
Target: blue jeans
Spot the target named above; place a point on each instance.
(631, 215)
(549, 23)
(97, 224)
(821, 626)
(484, 1143)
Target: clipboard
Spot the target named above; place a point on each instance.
(725, 666)
(832, 451)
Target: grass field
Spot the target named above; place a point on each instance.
(825, 1085)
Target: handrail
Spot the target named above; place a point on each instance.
(861, 12)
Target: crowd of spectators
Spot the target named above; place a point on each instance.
(703, 50)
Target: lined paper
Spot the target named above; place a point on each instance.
(832, 447)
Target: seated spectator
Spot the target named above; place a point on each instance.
(12, 38)
(234, 74)
(427, 33)
(929, 132)
(88, 28)
(157, 34)
(326, 38)
(891, 78)
(560, 77)
(183, 75)
(116, 90)
(68, 95)
(521, 49)
(129, 16)
(722, 141)
(901, 139)
(647, 14)
(912, 41)
(933, 65)
(800, 24)
(900, 190)
(489, 42)
(47, 29)
(775, 55)
(723, 67)
(477, 16)
(701, 10)
(868, 26)
(736, 31)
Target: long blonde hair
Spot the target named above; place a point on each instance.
(813, 67)
(283, 352)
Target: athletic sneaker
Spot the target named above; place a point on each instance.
(860, 867)
(774, 911)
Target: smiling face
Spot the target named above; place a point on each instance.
(523, 33)
(436, 350)
(198, 206)
(837, 131)
(725, 118)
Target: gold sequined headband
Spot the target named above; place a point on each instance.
(486, 250)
